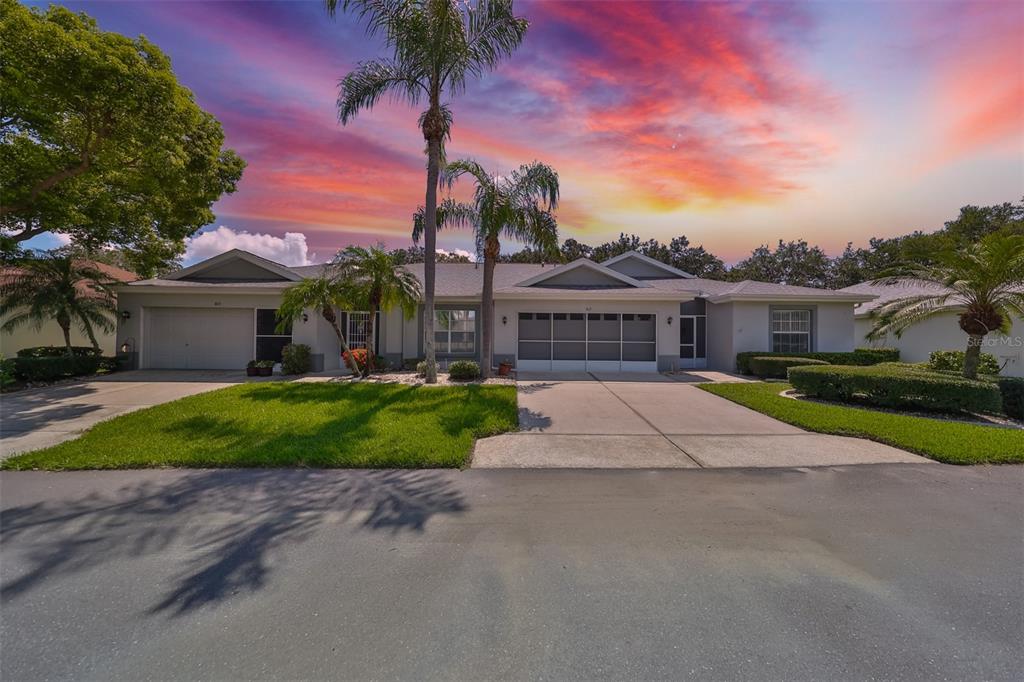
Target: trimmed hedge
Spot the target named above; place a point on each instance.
(295, 358)
(897, 386)
(464, 370)
(52, 369)
(859, 356)
(1012, 390)
(776, 367)
(953, 361)
(6, 372)
(57, 352)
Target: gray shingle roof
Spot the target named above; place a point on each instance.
(465, 280)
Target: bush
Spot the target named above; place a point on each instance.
(57, 352)
(421, 368)
(6, 372)
(464, 370)
(356, 360)
(897, 386)
(859, 356)
(295, 358)
(953, 361)
(776, 367)
(52, 369)
(1012, 390)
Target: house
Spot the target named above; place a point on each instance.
(50, 334)
(941, 332)
(629, 313)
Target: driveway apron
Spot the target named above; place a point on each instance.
(615, 421)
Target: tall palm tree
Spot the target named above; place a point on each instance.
(437, 45)
(60, 288)
(322, 293)
(986, 279)
(517, 206)
(378, 283)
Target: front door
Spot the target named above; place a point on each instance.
(693, 341)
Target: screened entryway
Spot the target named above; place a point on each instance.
(590, 342)
(693, 332)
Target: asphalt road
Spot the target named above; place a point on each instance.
(886, 572)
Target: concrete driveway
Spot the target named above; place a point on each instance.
(849, 573)
(38, 418)
(582, 420)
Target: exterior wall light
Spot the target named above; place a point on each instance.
(504, 319)
(305, 317)
(669, 320)
(126, 315)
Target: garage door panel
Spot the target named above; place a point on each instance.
(198, 338)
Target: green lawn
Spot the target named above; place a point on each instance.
(293, 425)
(945, 441)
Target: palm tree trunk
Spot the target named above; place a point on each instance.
(65, 326)
(491, 250)
(972, 356)
(92, 337)
(433, 129)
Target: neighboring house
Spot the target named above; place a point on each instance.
(941, 332)
(630, 313)
(27, 336)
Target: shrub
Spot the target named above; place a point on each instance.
(860, 357)
(57, 352)
(295, 358)
(421, 368)
(265, 364)
(953, 361)
(464, 370)
(1012, 390)
(51, 369)
(355, 360)
(776, 367)
(897, 386)
(6, 372)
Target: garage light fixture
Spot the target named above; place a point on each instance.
(126, 314)
(669, 320)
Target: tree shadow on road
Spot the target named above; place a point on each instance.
(226, 523)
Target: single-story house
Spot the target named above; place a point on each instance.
(50, 333)
(941, 332)
(629, 313)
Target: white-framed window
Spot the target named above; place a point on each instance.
(791, 331)
(455, 331)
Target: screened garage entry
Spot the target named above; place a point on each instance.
(591, 342)
(198, 338)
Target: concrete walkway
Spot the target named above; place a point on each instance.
(41, 417)
(584, 420)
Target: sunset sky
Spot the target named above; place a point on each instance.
(735, 124)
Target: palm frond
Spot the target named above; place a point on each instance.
(363, 87)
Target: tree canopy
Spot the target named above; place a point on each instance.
(100, 142)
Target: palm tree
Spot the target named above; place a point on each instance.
(517, 206)
(379, 283)
(437, 45)
(318, 293)
(985, 278)
(59, 288)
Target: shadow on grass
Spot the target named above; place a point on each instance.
(226, 523)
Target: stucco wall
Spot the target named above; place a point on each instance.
(50, 335)
(943, 333)
(834, 327)
(721, 355)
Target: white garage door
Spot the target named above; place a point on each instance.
(198, 338)
(593, 342)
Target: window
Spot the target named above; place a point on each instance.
(269, 341)
(455, 331)
(791, 331)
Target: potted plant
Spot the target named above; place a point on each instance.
(251, 369)
(504, 368)
(265, 368)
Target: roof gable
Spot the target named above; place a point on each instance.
(235, 266)
(639, 266)
(582, 273)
